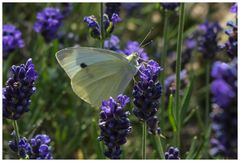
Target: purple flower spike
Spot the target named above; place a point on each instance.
(172, 153)
(208, 39)
(11, 39)
(94, 28)
(115, 125)
(231, 45)
(35, 148)
(109, 22)
(48, 22)
(224, 114)
(147, 92)
(112, 43)
(223, 93)
(115, 18)
(19, 89)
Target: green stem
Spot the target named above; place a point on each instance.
(178, 69)
(98, 145)
(164, 53)
(207, 93)
(102, 26)
(207, 104)
(101, 146)
(15, 126)
(159, 146)
(144, 136)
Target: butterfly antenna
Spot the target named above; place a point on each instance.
(146, 36)
(146, 44)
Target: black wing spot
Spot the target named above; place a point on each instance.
(83, 65)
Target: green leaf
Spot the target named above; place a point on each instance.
(189, 116)
(186, 100)
(192, 149)
(170, 113)
(160, 152)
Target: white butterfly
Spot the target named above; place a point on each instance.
(96, 74)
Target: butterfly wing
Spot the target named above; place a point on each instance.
(106, 73)
(101, 80)
(71, 59)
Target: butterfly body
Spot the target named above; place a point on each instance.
(96, 74)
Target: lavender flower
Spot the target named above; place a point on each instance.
(234, 8)
(224, 114)
(19, 88)
(48, 22)
(112, 8)
(147, 92)
(225, 76)
(109, 24)
(35, 148)
(115, 125)
(11, 39)
(208, 39)
(224, 95)
(134, 47)
(23, 147)
(113, 43)
(170, 6)
(172, 153)
(94, 28)
(40, 147)
(231, 45)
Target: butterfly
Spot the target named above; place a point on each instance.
(96, 74)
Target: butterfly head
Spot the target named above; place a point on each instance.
(133, 58)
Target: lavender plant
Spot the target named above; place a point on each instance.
(16, 99)
(108, 25)
(146, 93)
(113, 43)
(208, 39)
(11, 39)
(172, 153)
(224, 114)
(115, 125)
(19, 88)
(48, 21)
(231, 45)
(224, 140)
(35, 148)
